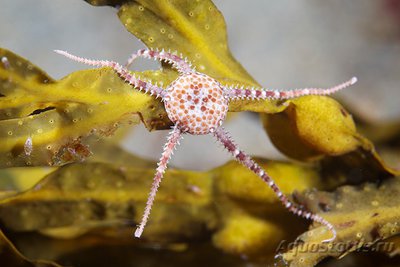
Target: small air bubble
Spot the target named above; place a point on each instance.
(48, 147)
(30, 67)
(198, 55)
(162, 30)
(8, 113)
(170, 36)
(151, 39)
(191, 14)
(109, 89)
(89, 110)
(74, 120)
(51, 121)
(20, 123)
(141, 8)
(207, 27)
(210, 8)
(5, 62)
(39, 131)
(10, 133)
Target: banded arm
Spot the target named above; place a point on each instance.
(248, 162)
(172, 142)
(124, 73)
(261, 93)
(182, 65)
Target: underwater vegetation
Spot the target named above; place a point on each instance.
(92, 193)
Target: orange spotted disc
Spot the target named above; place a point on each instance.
(196, 103)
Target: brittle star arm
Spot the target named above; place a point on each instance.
(182, 65)
(261, 93)
(121, 71)
(172, 142)
(248, 162)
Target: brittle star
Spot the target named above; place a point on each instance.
(198, 104)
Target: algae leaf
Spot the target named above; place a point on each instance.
(194, 28)
(42, 121)
(10, 256)
(320, 129)
(78, 198)
(97, 194)
(363, 215)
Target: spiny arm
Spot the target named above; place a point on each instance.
(248, 162)
(173, 141)
(182, 65)
(121, 71)
(257, 93)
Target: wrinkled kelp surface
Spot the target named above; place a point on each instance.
(87, 203)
